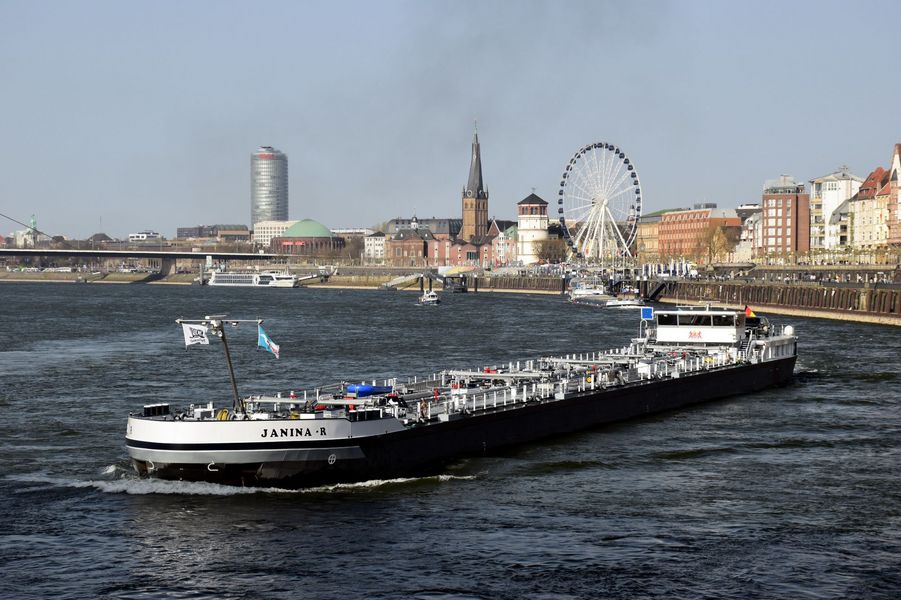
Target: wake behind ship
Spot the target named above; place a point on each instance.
(367, 431)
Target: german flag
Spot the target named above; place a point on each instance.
(749, 312)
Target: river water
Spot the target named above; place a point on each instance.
(790, 493)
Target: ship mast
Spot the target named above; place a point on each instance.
(216, 325)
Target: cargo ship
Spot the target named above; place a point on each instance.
(394, 428)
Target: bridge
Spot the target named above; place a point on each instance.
(167, 259)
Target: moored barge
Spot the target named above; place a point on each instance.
(361, 432)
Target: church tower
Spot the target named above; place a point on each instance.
(475, 197)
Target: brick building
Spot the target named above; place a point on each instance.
(785, 224)
(681, 233)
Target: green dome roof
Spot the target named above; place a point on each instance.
(308, 228)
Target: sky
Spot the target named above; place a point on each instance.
(125, 116)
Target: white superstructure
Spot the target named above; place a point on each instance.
(250, 279)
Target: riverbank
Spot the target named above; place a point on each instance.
(113, 278)
(868, 303)
(437, 288)
(801, 300)
(834, 315)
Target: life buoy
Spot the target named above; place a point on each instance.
(222, 415)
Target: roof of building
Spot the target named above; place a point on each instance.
(532, 199)
(448, 227)
(308, 228)
(841, 175)
(840, 213)
(376, 234)
(784, 184)
(413, 234)
(871, 184)
(657, 213)
(498, 225)
(481, 240)
(723, 213)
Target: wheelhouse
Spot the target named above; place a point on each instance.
(699, 326)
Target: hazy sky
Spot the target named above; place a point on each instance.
(122, 116)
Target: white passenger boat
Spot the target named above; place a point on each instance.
(589, 292)
(625, 303)
(412, 426)
(252, 279)
(429, 298)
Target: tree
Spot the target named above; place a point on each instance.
(551, 250)
(716, 241)
(353, 248)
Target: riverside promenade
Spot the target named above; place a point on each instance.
(865, 303)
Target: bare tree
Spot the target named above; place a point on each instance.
(551, 251)
(716, 241)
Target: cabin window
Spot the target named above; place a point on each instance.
(665, 319)
(724, 320)
(695, 320)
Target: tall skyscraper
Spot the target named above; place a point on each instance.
(475, 198)
(268, 185)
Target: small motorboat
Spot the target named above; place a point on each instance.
(625, 303)
(429, 298)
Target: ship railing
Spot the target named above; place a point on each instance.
(498, 398)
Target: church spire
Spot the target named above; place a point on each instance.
(475, 187)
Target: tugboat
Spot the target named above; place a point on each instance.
(369, 431)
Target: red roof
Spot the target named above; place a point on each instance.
(871, 184)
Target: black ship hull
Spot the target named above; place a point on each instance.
(423, 449)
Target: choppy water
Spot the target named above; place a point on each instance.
(790, 493)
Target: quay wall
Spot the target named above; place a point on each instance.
(872, 303)
(538, 285)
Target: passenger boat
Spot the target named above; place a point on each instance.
(589, 292)
(359, 432)
(625, 303)
(429, 298)
(252, 279)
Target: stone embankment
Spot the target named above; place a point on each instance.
(57, 277)
(870, 303)
(536, 285)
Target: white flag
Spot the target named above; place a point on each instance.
(195, 334)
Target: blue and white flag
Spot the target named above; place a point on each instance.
(194, 334)
(264, 341)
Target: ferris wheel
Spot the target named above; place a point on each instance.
(599, 204)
